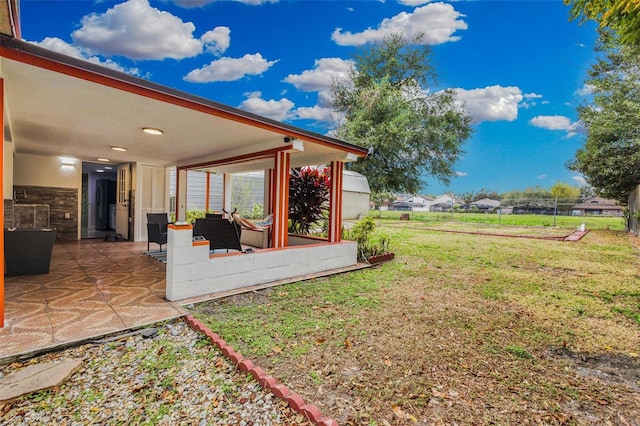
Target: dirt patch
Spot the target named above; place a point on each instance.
(609, 368)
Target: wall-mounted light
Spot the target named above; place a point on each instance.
(152, 131)
(105, 160)
(66, 161)
(288, 139)
(119, 148)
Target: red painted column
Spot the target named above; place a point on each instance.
(280, 236)
(335, 202)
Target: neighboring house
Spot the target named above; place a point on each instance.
(598, 206)
(483, 205)
(408, 202)
(445, 202)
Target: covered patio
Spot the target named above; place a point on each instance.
(59, 112)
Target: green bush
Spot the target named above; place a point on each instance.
(362, 234)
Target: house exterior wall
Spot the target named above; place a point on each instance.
(45, 180)
(37, 170)
(192, 272)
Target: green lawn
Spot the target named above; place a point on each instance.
(591, 222)
(460, 328)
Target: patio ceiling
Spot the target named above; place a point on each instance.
(57, 105)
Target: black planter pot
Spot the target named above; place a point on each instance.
(28, 251)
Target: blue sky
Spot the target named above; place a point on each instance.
(519, 66)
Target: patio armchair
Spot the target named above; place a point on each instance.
(221, 233)
(157, 229)
(263, 226)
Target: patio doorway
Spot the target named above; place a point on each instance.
(97, 204)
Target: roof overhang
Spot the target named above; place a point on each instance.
(58, 105)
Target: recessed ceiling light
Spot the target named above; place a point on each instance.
(118, 148)
(152, 131)
(107, 167)
(100, 171)
(106, 160)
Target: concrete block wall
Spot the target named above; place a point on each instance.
(191, 271)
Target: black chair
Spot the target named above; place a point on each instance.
(213, 216)
(157, 229)
(221, 233)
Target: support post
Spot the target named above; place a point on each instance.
(335, 202)
(280, 236)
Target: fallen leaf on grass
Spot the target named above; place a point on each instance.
(438, 394)
(320, 340)
(277, 349)
(398, 412)
(387, 362)
(347, 344)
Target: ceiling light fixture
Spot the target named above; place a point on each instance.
(100, 171)
(108, 167)
(118, 148)
(152, 131)
(106, 160)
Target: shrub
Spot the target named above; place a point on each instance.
(367, 246)
(309, 189)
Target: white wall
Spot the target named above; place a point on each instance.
(37, 170)
(192, 272)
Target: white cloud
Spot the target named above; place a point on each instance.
(585, 90)
(277, 110)
(217, 40)
(436, 21)
(491, 103)
(192, 4)
(461, 174)
(579, 180)
(321, 76)
(317, 113)
(413, 2)
(541, 177)
(136, 30)
(557, 122)
(57, 45)
(230, 69)
(531, 96)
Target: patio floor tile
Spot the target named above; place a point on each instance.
(93, 288)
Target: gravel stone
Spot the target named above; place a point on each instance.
(172, 376)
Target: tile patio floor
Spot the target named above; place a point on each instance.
(93, 288)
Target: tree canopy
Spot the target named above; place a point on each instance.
(388, 106)
(610, 157)
(564, 191)
(621, 16)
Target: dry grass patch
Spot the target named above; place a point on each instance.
(460, 329)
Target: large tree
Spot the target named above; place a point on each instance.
(610, 159)
(621, 16)
(388, 106)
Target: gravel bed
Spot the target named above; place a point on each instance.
(172, 377)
